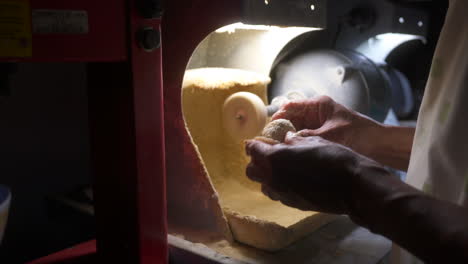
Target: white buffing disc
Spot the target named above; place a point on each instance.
(244, 115)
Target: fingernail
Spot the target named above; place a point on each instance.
(289, 136)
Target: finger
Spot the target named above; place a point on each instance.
(286, 198)
(305, 140)
(257, 149)
(292, 137)
(267, 140)
(289, 110)
(294, 112)
(270, 193)
(259, 168)
(324, 99)
(308, 133)
(276, 194)
(306, 114)
(256, 173)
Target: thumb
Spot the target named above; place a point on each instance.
(293, 137)
(257, 150)
(301, 136)
(309, 133)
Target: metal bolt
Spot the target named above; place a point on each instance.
(149, 39)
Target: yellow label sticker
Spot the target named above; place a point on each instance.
(15, 29)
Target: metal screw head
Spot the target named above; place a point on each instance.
(149, 39)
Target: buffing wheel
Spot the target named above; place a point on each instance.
(244, 115)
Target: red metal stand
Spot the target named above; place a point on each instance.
(82, 253)
(127, 129)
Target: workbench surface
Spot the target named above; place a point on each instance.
(340, 242)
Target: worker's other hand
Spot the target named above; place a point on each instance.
(321, 116)
(308, 173)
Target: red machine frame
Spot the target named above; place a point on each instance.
(127, 129)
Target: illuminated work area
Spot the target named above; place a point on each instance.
(237, 77)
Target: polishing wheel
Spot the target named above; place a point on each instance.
(348, 77)
(244, 115)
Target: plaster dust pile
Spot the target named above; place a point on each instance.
(253, 218)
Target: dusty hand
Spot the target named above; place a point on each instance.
(321, 116)
(308, 173)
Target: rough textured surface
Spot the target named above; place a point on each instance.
(202, 105)
(224, 79)
(277, 129)
(254, 219)
(340, 242)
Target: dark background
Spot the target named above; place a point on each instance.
(44, 151)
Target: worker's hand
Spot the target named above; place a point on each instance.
(308, 173)
(321, 116)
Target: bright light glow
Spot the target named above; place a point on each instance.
(420, 24)
(401, 20)
(233, 27)
(312, 7)
(380, 46)
(397, 37)
(253, 47)
(266, 2)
